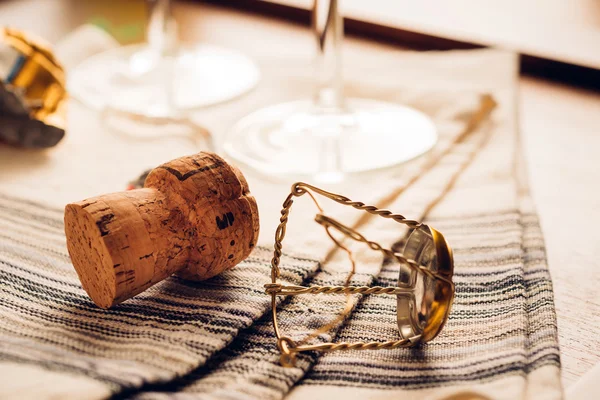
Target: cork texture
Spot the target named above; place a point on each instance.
(195, 217)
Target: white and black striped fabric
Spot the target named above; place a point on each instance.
(214, 340)
(502, 324)
(502, 320)
(169, 330)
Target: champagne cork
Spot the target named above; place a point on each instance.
(195, 217)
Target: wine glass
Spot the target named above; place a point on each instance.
(162, 79)
(330, 136)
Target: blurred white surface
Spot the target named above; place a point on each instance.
(560, 30)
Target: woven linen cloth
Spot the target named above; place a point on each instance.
(47, 319)
(214, 339)
(501, 339)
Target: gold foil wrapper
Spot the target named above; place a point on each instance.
(32, 92)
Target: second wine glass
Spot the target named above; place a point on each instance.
(162, 79)
(330, 136)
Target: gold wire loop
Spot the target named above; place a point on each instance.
(287, 346)
(273, 288)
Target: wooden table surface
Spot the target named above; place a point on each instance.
(560, 126)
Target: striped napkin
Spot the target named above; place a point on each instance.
(48, 320)
(215, 340)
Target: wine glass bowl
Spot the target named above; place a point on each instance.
(301, 140)
(331, 136)
(162, 78)
(136, 80)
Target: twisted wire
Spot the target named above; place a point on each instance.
(392, 344)
(289, 348)
(328, 222)
(296, 290)
(300, 188)
(279, 236)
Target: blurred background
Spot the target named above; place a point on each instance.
(557, 90)
(555, 36)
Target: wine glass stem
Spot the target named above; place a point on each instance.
(328, 27)
(162, 41)
(162, 29)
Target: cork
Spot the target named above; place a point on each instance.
(195, 217)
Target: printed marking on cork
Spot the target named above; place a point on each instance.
(226, 221)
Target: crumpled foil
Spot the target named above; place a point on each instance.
(32, 92)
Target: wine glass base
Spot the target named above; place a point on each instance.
(297, 139)
(136, 80)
